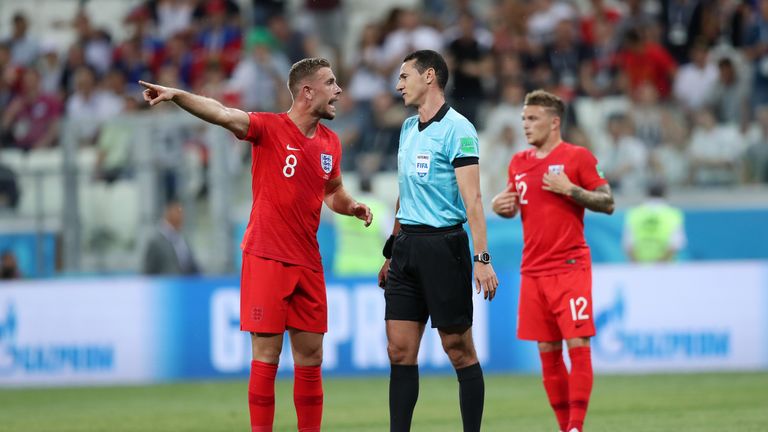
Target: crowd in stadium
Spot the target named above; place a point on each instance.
(670, 89)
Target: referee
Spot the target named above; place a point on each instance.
(428, 268)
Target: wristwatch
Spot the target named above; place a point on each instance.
(483, 257)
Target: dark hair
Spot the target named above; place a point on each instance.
(426, 59)
(547, 100)
(303, 69)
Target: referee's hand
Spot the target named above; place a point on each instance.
(486, 280)
(383, 274)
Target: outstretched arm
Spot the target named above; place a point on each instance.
(338, 200)
(202, 107)
(599, 200)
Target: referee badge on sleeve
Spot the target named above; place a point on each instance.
(326, 162)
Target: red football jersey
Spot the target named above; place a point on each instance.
(289, 172)
(553, 224)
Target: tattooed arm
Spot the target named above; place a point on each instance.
(599, 200)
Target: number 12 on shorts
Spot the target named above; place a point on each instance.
(578, 306)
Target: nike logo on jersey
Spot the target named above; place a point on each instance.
(288, 146)
(519, 176)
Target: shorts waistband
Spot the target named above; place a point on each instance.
(426, 229)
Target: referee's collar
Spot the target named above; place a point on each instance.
(439, 116)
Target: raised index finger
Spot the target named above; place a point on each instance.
(148, 85)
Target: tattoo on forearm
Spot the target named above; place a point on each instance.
(600, 200)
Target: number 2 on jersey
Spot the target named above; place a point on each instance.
(290, 166)
(522, 188)
(581, 304)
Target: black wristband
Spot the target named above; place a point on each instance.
(387, 251)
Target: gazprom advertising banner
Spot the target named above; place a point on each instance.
(96, 331)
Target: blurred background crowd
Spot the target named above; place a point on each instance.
(671, 91)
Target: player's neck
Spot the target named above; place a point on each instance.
(306, 123)
(432, 104)
(548, 146)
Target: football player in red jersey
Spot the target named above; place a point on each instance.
(550, 185)
(295, 168)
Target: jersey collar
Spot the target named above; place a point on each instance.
(439, 116)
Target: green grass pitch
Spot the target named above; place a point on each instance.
(722, 402)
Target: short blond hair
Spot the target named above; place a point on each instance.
(547, 100)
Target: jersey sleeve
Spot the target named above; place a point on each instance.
(590, 176)
(463, 143)
(255, 128)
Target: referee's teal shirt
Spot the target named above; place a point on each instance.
(428, 154)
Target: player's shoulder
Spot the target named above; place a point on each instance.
(411, 121)
(524, 155)
(576, 150)
(328, 133)
(455, 120)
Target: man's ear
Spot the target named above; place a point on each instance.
(430, 75)
(307, 92)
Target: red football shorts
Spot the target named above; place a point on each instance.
(275, 296)
(556, 307)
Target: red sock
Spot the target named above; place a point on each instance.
(308, 397)
(580, 385)
(555, 377)
(261, 396)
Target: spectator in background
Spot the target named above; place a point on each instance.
(9, 188)
(470, 65)
(89, 107)
(728, 97)
(624, 160)
(695, 80)
(33, 117)
(50, 67)
(325, 18)
(681, 20)
(648, 115)
(756, 160)
(168, 252)
(565, 54)
(96, 43)
(263, 10)
(715, 151)
(597, 73)
(669, 161)
(544, 18)
(756, 50)
(643, 61)
(655, 230)
(10, 76)
(219, 39)
(24, 48)
(293, 43)
(9, 267)
(506, 114)
(173, 16)
(258, 77)
(113, 148)
(409, 35)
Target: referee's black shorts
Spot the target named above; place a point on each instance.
(430, 275)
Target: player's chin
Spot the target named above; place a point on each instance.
(328, 115)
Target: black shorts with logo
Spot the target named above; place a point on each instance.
(430, 275)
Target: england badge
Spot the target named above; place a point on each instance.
(326, 162)
(556, 169)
